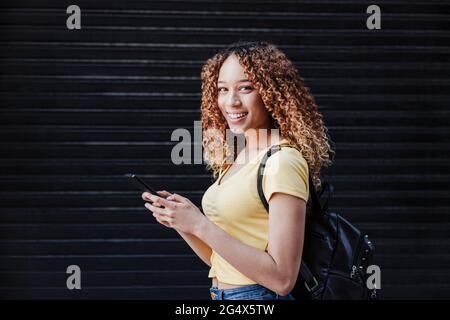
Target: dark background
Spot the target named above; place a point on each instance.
(79, 108)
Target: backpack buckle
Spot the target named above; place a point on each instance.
(316, 284)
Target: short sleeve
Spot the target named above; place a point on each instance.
(286, 172)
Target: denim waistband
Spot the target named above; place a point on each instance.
(249, 292)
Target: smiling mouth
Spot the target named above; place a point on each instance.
(237, 116)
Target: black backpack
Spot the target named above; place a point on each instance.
(335, 253)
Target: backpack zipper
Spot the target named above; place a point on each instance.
(355, 270)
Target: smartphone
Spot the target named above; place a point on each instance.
(140, 184)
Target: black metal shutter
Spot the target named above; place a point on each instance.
(81, 108)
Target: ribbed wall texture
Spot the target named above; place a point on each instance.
(80, 108)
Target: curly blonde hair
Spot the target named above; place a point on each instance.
(289, 103)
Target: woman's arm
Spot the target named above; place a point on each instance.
(278, 268)
(200, 248)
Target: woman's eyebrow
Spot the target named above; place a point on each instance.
(242, 80)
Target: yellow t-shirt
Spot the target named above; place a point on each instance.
(235, 206)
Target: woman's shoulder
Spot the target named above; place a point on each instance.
(288, 153)
(288, 159)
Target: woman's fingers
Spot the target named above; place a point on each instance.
(172, 196)
(157, 201)
(165, 203)
(177, 198)
(164, 193)
(154, 208)
(157, 212)
(160, 217)
(161, 220)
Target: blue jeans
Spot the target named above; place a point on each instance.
(250, 292)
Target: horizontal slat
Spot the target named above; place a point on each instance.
(188, 85)
(64, 166)
(43, 133)
(103, 262)
(431, 291)
(179, 246)
(163, 292)
(152, 230)
(114, 279)
(121, 214)
(176, 102)
(220, 35)
(17, 49)
(419, 292)
(286, 9)
(342, 183)
(179, 262)
(191, 68)
(150, 150)
(120, 198)
(107, 279)
(94, 247)
(96, 166)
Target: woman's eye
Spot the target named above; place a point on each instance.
(223, 89)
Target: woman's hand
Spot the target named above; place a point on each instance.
(165, 194)
(179, 212)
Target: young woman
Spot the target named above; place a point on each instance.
(250, 88)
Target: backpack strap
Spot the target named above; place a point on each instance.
(309, 280)
(326, 186)
(316, 206)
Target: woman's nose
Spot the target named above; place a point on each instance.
(233, 100)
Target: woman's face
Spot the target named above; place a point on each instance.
(239, 100)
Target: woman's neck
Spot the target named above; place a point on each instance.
(261, 141)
